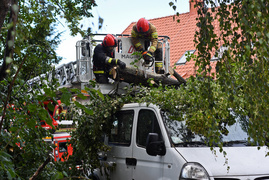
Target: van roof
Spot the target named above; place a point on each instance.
(129, 105)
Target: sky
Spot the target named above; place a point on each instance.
(117, 16)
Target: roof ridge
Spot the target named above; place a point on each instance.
(169, 16)
(158, 18)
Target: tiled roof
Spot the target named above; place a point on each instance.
(181, 38)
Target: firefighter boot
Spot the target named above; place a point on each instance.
(159, 61)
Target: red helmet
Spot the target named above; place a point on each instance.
(142, 25)
(110, 41)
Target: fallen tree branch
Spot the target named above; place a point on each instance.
(40, 168)
(176, 75)
(137, 76)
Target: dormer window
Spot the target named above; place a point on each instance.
(183, 58)
(219, 53)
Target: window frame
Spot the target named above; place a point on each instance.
(220, 53)
(131, 123)
(183, 59)
(153, 128)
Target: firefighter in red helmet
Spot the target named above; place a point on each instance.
(147, 31)
(103, 59)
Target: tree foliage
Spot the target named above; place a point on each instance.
(28, 43)
(242, 71)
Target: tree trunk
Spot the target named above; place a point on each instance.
(10, 37)
(4, 8)
(135, 76)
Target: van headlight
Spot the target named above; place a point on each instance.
(193, 171)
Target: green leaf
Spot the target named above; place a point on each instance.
(66, 98)
(88, 111)
(58, 175)
(31, 123)
(82, 96)
(100, 95)
(11, 173)
(5, 157)
(65, 174)
(259, 34)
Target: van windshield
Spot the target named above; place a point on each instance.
(181, 136)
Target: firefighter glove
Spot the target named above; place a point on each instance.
(147, 56)
(121, 64)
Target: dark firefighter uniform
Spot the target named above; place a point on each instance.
(103, 61)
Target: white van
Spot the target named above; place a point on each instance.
(145, 147)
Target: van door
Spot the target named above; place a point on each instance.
(147, 167)
(120, 140)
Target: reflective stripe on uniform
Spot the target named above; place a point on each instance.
(154, 35)
(99, 72)
(133, 33)
(138, 44)
(153, 48)
(109, 60)
(158, 64)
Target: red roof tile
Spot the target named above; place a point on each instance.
(181, 38)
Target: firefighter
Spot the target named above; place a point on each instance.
(147, 31)
(103, 59)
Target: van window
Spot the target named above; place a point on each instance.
(182, 136)
(62, 147)
(121, 131)
(147, 123)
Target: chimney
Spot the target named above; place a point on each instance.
(193, 10)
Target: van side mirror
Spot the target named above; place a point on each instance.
(153, 146)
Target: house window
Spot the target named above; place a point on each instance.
(183, 58)
(219, 53)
